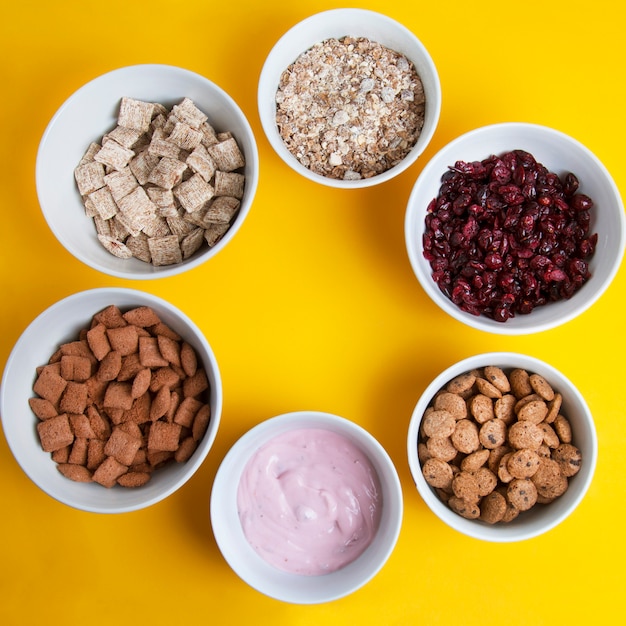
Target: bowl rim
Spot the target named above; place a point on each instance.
(332, 16)
(521, 325)
(241, 557)
(12, 433)
(476, 529)
(152, 272)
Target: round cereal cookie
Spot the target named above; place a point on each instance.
(554, 407)
(504, 408)
(422, 452)
(487, 481)
(495, 455)
(541, 386)
(522, 493)
(496, 376)
(462, 383)
(525, 400)
(525, 434)
(533, 411)
(503, 469)
(481, 408)
(451, 402)
(520, 383)
(493, 433)
(487, 388)
(441, 448)
(438, 423)
(469, 510)
(550, 438)
(563, 428)
(549, 480)
(493, 507)
(437, 473)
(569, 459)
(544, 451)
(510, 514)
(523, 463)
(465, 436)
(475, 460)
(465, 486)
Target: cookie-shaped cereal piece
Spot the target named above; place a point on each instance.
(469, 510)
(549, 480)
(441, 448)
(487, 388)
(569, 459)
(496, 376)
(541, 386)
(465, 436)
(503, 469)
(520, 383)
(492, 434)
(562, 428)
(523, 463)
(487, 481)
(525, 434)
(481, 408)
(438, 423)
(466, 487)
(533, 411)
(550, 438)
(522, 493)
(495, 456)
(493, 507)
(504, 408)
(475, 460)
(462, 383)
(422, 452)
(451, 402)
(437, 473)
(554, 407)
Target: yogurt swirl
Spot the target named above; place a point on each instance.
(309, 501)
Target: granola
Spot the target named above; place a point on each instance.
(350, 108)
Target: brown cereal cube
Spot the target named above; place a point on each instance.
(55, 433)
(78, 453)
(108, 472)
(75, 368)
(160, 404)
(77, 473)
(187, 410)
(98, 422)
(42, 408)
(135, 114)
(124, 340)
(163, 436)
(169, 349)
(149, 354)
(49, 384)
(122, 446)
(110, 317)
(110, 366)
(166, 331)
(139, 413)
(164, 376)
(142, 316)
(61, 455)
(118, 396)
(185, 450)
(196, 384)
(81, 426)
(95, 453)
(133, 479)
(175, 400)
(74, 398)
(158, 458)
(131, 366)
(98, 341)
(188, 358)
(141, 382)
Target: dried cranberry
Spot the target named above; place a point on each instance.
(505, 235)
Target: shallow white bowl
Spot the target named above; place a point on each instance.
(251, 567)
(560, 154)
(339, 23)
(90, 113)
(541, 518)
(60, 323)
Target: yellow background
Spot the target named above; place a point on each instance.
(313, 305)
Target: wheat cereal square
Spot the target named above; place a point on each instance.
(135, 114)
(89, 177)
(229, 184)
(165, 250)
(227, 155)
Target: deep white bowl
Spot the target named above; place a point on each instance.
(90, 113)
(266, 578)
(60, 323)
(560, 154)
(541, 518)
(338, 23)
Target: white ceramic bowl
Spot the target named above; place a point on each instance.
(90, 113)
(560, 154)
(60, 323)
(541, 518)
(338, 23)
(251, 567)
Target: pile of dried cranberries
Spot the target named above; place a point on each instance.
(506, 235)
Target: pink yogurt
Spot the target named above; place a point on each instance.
(309, 501)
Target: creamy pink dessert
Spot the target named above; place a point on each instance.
(309, 501)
